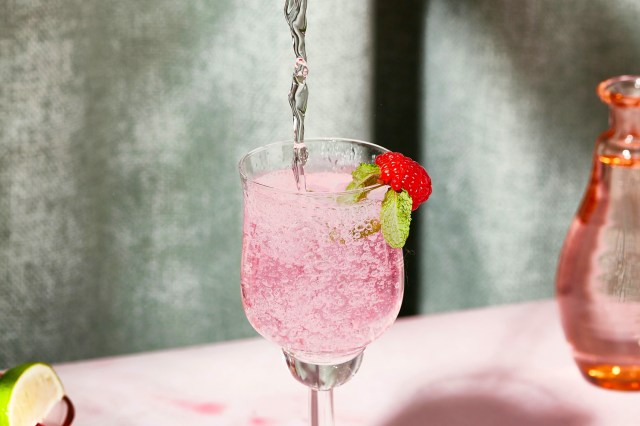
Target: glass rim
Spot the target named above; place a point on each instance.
(245, 177)
(608, 94)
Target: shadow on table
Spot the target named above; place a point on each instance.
(504, 404)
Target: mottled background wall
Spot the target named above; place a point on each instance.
(121, 124)
(510, 120)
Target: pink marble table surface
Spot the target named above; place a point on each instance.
(503, 366)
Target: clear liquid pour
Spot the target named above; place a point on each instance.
(295, 12)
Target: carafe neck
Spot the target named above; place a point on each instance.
(625, 121)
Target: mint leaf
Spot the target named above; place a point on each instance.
(364, 175)
(395, 217)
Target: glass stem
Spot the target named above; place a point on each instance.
(321, 405)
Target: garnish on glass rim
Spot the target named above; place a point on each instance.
(410, 186)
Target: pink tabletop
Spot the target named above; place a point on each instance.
(497, 366)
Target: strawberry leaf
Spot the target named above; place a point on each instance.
(395, 217)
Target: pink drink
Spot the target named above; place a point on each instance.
(317, 276)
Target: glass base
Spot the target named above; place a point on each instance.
(613, 377)
(322, 377)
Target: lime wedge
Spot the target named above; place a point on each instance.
(27, 393)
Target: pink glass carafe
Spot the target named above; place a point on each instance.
(598, 277)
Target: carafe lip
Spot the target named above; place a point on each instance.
(621, 91)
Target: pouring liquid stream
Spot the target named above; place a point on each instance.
(295, 12)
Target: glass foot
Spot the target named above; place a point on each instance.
(322, 377)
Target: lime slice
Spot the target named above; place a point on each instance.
(27, 394)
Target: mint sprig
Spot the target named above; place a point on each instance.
(395, 215)
(364, 175)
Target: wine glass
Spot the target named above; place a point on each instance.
(317, 276)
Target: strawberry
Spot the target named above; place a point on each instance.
(402, 172)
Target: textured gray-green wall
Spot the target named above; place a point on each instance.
(121, 123)
(510, 118)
